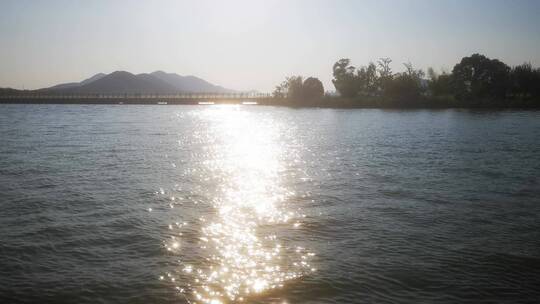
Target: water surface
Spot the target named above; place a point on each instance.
(224, 204)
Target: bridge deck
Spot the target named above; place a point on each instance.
(119, 99)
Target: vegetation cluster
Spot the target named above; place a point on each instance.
(476, 81)
(296, 88)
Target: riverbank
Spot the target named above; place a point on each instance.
(422, 102)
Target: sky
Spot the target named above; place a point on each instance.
(254, 44)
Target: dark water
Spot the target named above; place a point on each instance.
(168, 204)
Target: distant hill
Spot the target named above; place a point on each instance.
(76, 84)
(189, 83)
(120, 82)
(124, 82)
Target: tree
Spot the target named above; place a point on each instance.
(536, 88)
(312, 89)
(525, 81)
(367, 80)
(345, 80)
(439, 85)
(385, 74)
(295, 87)
(407, 85)
(384, 67)
(477, 76)
(281, 90)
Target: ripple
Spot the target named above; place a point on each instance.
(396, 207)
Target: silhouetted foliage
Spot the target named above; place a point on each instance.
(407, 85)
(312, 89)
(345, 80)
(281, 90)
(439, 85)
(385, 74)
(477, 77)
(377, 80)
(367, 80)
(475, 81)
(295, 88)
(525, 81)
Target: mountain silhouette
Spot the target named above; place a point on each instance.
(189, 83)
(76, 84)
(121, 82)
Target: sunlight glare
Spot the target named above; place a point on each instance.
(243, 259)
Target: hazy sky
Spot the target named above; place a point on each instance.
(249, 44)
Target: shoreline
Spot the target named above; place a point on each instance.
(329, 102)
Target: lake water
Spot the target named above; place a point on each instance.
(225, 204)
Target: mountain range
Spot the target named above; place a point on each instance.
(121, 82)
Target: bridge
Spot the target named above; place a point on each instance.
(180, 98)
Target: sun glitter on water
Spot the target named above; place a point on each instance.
(243, 256)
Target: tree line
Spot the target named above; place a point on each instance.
(298, 89)
(476, 81)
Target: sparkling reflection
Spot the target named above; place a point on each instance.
(243, 255)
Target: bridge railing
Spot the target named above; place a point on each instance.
(40, 95)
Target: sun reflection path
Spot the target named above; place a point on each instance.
(244, 256)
